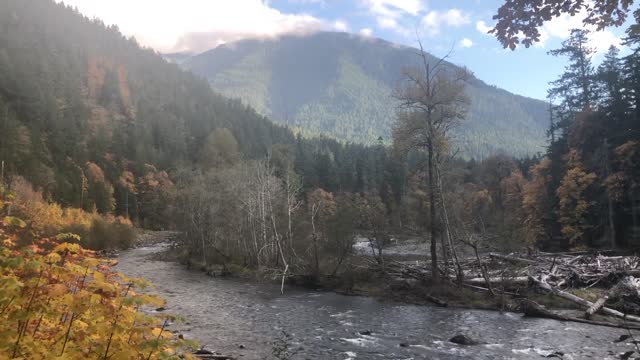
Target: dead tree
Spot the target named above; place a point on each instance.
(432, 101)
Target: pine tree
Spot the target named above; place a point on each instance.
(575, 88)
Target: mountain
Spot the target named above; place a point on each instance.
(93, 120)
(341, 85)
(86, 114)
(177, 57)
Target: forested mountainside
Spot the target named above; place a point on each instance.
(94, 121)
(341, 85)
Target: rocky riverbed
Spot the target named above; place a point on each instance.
(249, 320)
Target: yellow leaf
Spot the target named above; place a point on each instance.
(56, 290)
(72, 248)
(53, 257)
(12, 221)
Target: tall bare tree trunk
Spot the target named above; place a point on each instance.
(611, 214)
(432, 216)
(445, 216)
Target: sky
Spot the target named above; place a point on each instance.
(457, 25)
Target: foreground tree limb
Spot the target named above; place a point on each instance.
(519, 21)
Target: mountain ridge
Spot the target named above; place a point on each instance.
(341, 85)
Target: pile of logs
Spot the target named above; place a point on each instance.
(555, 274)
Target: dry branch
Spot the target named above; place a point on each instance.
(580, 301)
(628, 285)
(533, 309)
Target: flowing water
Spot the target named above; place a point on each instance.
(248, 320)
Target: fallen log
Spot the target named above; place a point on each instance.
(436, 301)
(627, 285)
(512, 259)
(487, 290)
(533, 309)
(580, 301)
(519, 280)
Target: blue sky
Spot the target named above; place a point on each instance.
(462, 25)
(198, 25)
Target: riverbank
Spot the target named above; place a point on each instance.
(365, 278)
(249, 319)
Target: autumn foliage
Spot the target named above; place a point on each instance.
(59, 301)
(47, 219)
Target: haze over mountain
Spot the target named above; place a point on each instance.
(342, 85)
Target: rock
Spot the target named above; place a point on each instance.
(557, 354)
(465, 340)
(241, 346)
(202, 351)
(626, 355)
(403, 344)
(365, 332)
(622, 338)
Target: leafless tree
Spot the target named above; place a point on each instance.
(432, 102)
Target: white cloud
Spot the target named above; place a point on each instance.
(196, 25)
(435, 20)
(340, 25)
(316, 2)
(483, 27)
(466, 42)
(602, 40)
(394, 8)
(561, 27)
(367, 32)
(389, 14)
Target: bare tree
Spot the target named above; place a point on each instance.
(432, 101)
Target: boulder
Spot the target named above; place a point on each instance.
(465, 340)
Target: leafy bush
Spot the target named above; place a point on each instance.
(97, 232)
(59, 301)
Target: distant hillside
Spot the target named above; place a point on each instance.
(82, 107)
(341, 85)
(93, 120)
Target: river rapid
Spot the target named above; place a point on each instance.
(248, 320)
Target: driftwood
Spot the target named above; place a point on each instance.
(520, 280)
(489, 291)
(512, 259)
(436, 301)
(554, 273)
(580, 301)
(627, 285)
(533, 309)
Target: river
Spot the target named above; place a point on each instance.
(246, 319)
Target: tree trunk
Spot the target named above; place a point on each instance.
(533, 309)
(582, 302)
(611, 212)
(459, 271)
(435, 275)
(625, 285)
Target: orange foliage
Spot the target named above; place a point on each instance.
(536, 202)
(574, 206)
(94, 172)
(50, 218)
(59, 301)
